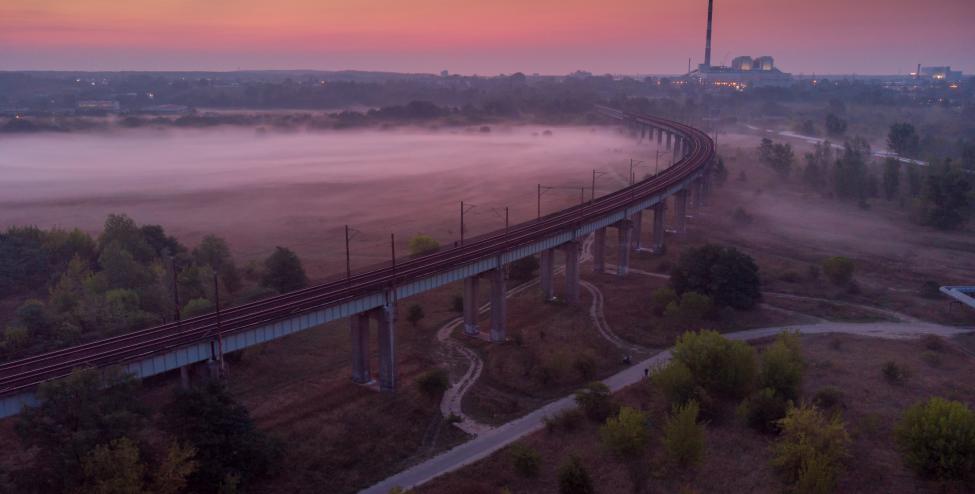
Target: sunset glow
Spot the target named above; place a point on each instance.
(640, 36)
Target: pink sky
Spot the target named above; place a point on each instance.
(483, 37)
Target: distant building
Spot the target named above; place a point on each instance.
(939, 74)
(167, 109)
(98, 105)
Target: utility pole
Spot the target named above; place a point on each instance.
(392, 247)
(506, 220)
(175, 291)
(217, 353)
(461, 222)
(582, 195)
(539, 201)
(593, 196)
(348, 257)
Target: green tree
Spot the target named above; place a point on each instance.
(850, 174)
(526, 460)
(720, 172)
(574, 478)
(903, 139)
(727, 275)
(283, 271)
(197, 307)
(595, 400)
(121, 230)
(415, 314)
(777, 156)
(684, 437)
(163, 245)
(835, 126)
(892, 178)
(782, 366)
(423, 244)
(23, 262)
(914, 181)
(811, 449)
(937, 438)
(214, 252)
(719, 365)
(692, 309)
(626, 434)
(945, 198)
(118, 468)
(661, 298)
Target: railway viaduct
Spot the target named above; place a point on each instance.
(372, 296)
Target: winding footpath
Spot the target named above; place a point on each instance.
(489, 439)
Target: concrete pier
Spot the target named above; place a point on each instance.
(659, 210)
(677, 149)
(545, 269)
(571, 272)
(599, 251)
(669, 138)
(386, 317)
(499, 301)
(660, 137)
(470, 305)
(359, 330)
(637, 229)
(680, 211)
(625, 230)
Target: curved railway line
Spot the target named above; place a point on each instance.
(20, 376)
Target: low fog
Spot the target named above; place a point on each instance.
(262, 189)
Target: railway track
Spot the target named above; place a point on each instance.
(20, 375)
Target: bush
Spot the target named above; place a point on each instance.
(938, 439)
(719, 365)
(684, 437)
(660, 299)
(595, 401)
(811, 450)
(676, 382)
(567, 420)
(626, 434)
(423, 244)
(894, 372)
(839, 270)
(433, 383)
(526, 460)
(763, 410)
(725, 274)
(585, 365)
(573, 478)
(693, 308)
(197, 307)
(283, 271)
(782, 367)
(415, 314)
(933, 342)
(829, 398)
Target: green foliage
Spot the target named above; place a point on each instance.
(829, 398)
(123, 232)
(850, 174)
(676, 381)
(213, 251)
(782, 366)
(626, 434)
(117, 467)
(895, 373)
(74, 415)
(892, 178)
(693, 308)
(526, 460)
(163, 245)
(727, 275)
(523, 269)
(719, 172)
(763, 410)
(226, 440)
(585, 365)
(661, 298)
(283, 271)
(596, 401)
(903, 139)
(684, 438)
(810, 450)
(415, 314)
(835, 126)
(423, 244)
(945, 198)
(719, 365)
(567, 420)
(838, 269)
(434, 382)
(937, 438)
(777, 156)
(197, 307)
(574, 478)
(818, 163)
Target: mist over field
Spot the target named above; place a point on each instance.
(261, 189)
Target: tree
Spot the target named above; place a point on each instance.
(811, 449)
(914, 181)
(777, 156)
(163, 245)
(415, 314)
(938, 439)
(944, 199)
(903, 139)
(423, 244)
(226, 440)
(727, 275)
(684, 437)
(720, 366)
(122, 230)
(720, 172)
(197, 307)
(117, 468)
(214, 252)
(892, 178)
(626, 434)
(595, 400)
(661, 298)
(283, 271)
(835, 126)
(850, 174)
(573, 478)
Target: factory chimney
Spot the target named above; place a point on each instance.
(707, 46)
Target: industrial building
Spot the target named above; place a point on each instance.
(943, 73)
(745, 71)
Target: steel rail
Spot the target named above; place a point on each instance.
(28, 372)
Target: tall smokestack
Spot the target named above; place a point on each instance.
(707, 45)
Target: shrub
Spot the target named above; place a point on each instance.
(693, 308)
(423, 244)
(526, 460)
(585, 365)
(829, 398)
(782, 366)
(933, 342)
(938, 439)
(595, 401)
(660, 299)
(197, 307)
(676, 382)
(415, 314)
(725, 274)
(626, 434)
(719, 365)
(811, 449)
(894, 372)
(684, 437)
(567, 420)
(839, 270)
(433, 383)
(573, 478)
(763, 410)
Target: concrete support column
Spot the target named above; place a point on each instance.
(660, 137)
(599, 251)
(677, 146)
(659, 210)
(637, 229)
(359, 330)
(669, 137)
(545, 269)
(386, 316)
(643, 132)
(625, 230)
(184, 377)
(470, 305)
(680, 211)
(572, 272)
(499, 300)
